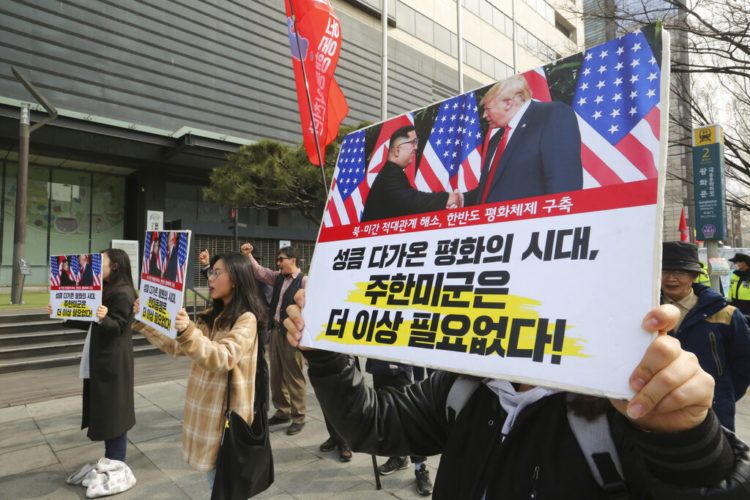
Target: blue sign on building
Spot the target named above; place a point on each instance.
(708, 183)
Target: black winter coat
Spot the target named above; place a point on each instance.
(108, 409)
(540, 458)
(391, 195)
(719, 336)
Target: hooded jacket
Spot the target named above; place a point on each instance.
(539, 458)
(718, 335)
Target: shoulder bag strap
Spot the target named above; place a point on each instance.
(229, 400)
(595, 440)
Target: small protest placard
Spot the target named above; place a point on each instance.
(163, 269)
(509, 232)
(75, 286)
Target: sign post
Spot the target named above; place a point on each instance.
(709, 190)
(154, 220)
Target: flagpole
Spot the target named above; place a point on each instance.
(515, 37)
(459, 32)
(309, 101)
(384, 62)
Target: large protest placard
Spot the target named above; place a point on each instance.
(543, 272)
(163, 270)
(75, 286)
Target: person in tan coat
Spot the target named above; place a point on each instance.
(224, 338)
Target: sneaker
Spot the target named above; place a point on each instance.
(424, 485)
(276, 420)
(87, 472)
(345, 453)
(328, 445)
(294, 428)
(392, 465)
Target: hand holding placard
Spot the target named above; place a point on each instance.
(101, 312)
(182, 321)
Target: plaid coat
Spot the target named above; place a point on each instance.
(213, 355)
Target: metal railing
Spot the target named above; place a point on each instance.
(196, 294)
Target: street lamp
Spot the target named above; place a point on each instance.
(20, 268)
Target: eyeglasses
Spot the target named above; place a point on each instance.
(676, 273)
(413, 142)
(279, 259)
(213, 274)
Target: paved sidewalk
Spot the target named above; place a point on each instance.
(41, 444)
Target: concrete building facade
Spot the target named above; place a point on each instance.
(152, 95)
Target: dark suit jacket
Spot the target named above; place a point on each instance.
(543, 156)
(391, 195)
(153, 266)
(87, 276)
(65, 279)
(170, 273)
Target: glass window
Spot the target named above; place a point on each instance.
(108, 211)
(211, 212)
(501, 72)
(488, 64)
(498, 20)
(37, 216)
(472, 56)
(472, 6)
(485, 11)
(442, 39)
(424, 28)
(405, 18)
(181, 202)
(70, 212)
(508, 26)
(522, 37)
(454, 45)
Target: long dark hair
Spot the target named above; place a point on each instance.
(119, 271)
(245, 296)
(119, 268)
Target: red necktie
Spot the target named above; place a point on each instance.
(495, 162)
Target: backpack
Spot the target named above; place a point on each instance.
(593, 436)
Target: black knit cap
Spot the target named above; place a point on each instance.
(741, 257)
(680, 256)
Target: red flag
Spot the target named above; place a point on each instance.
(683, 227)
(315, 38)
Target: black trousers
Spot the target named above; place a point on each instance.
(337, 438)
(397, 380)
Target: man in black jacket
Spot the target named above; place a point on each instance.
(667, 438)
(391, 194)
(709, 328)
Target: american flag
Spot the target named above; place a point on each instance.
(354, 174)
(163, 254)
(54, 270)
(96, 267)
(348, 192)
(182, 243)
(148, 248)
(452, 158)
(617, 103)
(75, 269)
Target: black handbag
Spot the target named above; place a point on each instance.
(244, 466)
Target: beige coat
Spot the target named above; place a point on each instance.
(213, 355)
